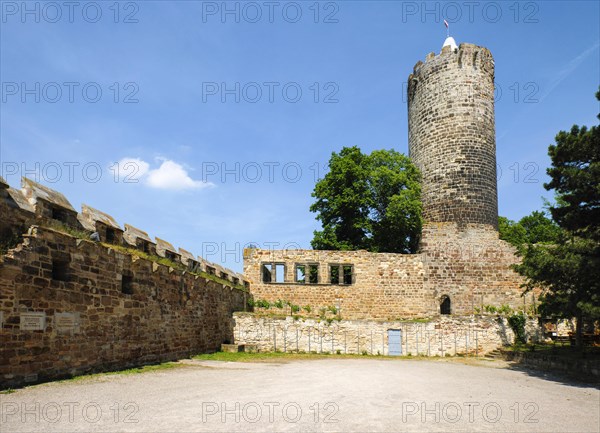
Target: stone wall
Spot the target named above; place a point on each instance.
(587, 370)
(444, 336)
(385, 286)
(16, 214)
(469, 266)
(73, 303)
(102, 310)
(452, 135)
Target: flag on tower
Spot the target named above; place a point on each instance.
(446, 24)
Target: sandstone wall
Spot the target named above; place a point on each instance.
(385, 286)
(101, 310)
(452, 135)
(474, 335)
(472, 266)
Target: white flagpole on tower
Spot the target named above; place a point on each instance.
(447, 28)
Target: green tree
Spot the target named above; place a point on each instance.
(540, 228)
(531, 229)
(511, 231)
(568, 271)
(343, 203)
(370, 202)
(575, 176)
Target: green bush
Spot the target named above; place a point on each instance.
(517, 324)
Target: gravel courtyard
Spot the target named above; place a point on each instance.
(329, 395)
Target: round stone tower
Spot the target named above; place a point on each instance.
(451, 134)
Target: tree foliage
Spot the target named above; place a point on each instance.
(535, 228)
(568, 271)
(370, 202)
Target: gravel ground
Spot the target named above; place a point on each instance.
(331, 395)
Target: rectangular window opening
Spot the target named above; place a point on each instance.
(348, 274)
(60, 270)
(300, 274)
(334, 274)
(280, 273)
(171, 256)
(59, 214)
(267, 272)
(127, 284)
(143, 246)
(224, 276)
(210, 270)
(110, 236)
(313, 274)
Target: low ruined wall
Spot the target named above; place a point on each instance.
(94, 321)
(470, 266)
(385, 286)
(447, 335)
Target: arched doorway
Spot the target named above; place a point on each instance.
(445, 305)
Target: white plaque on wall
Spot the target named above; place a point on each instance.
(33, 321)
(66, 323)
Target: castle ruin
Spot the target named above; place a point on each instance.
(462, 265)
(79, 293)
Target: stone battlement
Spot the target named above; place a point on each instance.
(79, 294)
(37, 204)
(467, 55)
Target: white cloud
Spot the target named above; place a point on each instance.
(169, 175)
(132, 169)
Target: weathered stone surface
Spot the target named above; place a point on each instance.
(132, 234)
(35, 191)
(471, 267)
(165, 249)
(90, 216)
(164, 316)
(443, 336)
(452, 135)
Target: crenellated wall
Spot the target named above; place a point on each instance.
(70, 304)
(90, 321)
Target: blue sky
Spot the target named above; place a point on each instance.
(215, 173)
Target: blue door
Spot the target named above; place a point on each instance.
(394, 342)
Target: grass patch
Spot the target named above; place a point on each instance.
(7, 391)
(63, 228)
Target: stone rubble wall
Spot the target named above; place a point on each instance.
(385, 285)
(53, 329)
(452, 137)
(472, 266)
(443, 336)
(36, 204)
(468, 264)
